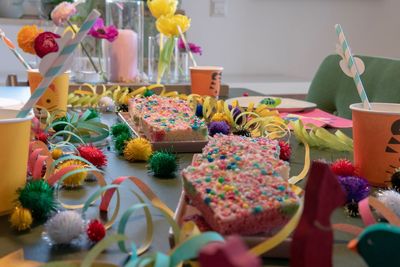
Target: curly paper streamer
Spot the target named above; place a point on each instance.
(320, 138)
(80, 128)
(40, 156)
(86, 95)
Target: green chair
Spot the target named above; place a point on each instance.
(333, 91)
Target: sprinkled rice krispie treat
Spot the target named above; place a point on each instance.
(238, 184)
(241, 151)
(167, 119)
(237, 201)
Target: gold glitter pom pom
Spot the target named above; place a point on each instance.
(21, 219)
(138, 149)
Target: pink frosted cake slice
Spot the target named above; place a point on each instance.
(167, 119)
(241, 201)
(259, 152)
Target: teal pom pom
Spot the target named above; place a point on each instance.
(163, 164)
(38, 197)
(148, 93)
(120, 142)
(119, 128)
(92, 114)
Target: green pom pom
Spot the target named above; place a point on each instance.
(163, 164)
(119, 128)
(60, 127)
(38, 197)
(120, 142)
(148, 93)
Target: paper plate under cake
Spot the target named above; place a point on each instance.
(287, 104)
(176, 146)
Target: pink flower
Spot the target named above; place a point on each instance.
(45, 43)
(100, 31)
(62, 12)
(195, 49)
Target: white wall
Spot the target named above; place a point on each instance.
(277, 37)
(291, 37)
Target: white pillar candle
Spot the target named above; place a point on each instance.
(123, 57)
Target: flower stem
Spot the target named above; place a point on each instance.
(187, 46)
(84, 49)
(99, 58)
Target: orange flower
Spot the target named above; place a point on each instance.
(26, 38)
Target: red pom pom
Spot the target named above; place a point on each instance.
(285, 151)
(95, 231)
(245, 94)
(93, 155)
(41, 136)
(343, 167)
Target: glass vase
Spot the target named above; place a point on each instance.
(125, 54)
(184, 64)
(89, 69)
(171, 74)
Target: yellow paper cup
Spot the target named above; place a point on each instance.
(56, 96)
(376, 135)
(206, 80)
(14, 143)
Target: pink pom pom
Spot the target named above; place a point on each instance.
(285, 151)
(93, 155)
(343, 167)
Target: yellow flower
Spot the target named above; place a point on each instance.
(168, 25)
(73, 30)
(26, 38)
(160, 8)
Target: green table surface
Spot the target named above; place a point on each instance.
(36, 247)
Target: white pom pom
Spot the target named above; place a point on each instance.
(64, 227)
(390, 199)
(106, 103)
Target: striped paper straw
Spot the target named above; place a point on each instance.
(58, 64)
(13, 49)
(352, 66)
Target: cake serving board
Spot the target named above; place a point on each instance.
(177, 146)
(184, 210)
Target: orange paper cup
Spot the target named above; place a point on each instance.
(206, 80)
(56, 96)
(14, 143)
(376, 135)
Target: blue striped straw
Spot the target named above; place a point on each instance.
(352, 66)
(58, 65)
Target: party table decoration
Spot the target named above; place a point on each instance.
(57, 63)
(21, 219)
(395, 180)
(356, 188)
(163, 164)
(13, 49)
(391, 199)
(377, 245)
(84, 128)
(313, 237)
(64, 227)
(320, 138)
(93, 154)
(351, 66)
(137, 149)
(168, 24)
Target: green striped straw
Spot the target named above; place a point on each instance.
(348, 56)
